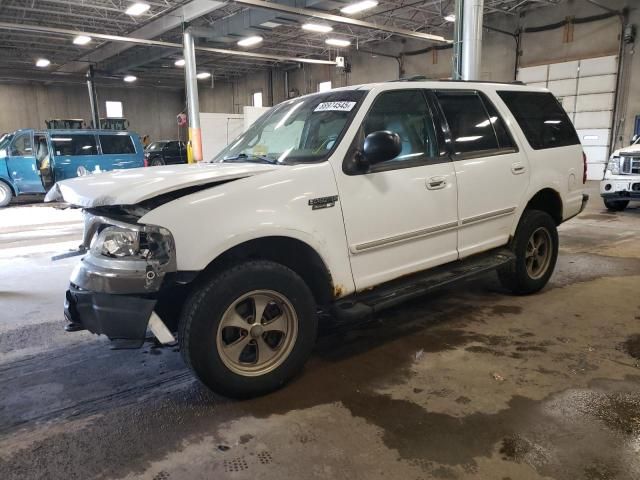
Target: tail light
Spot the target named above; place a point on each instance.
(584, 168)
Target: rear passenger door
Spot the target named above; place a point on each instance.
(118, 152)
(171, 153)
(492, 175)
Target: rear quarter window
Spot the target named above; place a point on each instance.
(541, 118)
(117, 144)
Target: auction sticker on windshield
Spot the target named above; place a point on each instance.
(335, 107)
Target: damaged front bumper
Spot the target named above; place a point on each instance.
(116, 297)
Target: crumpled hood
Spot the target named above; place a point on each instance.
(129, 187)
(627, 150)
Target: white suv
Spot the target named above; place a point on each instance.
(344, 202)
(621, 182)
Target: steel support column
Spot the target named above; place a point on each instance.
(471, 38)
(93, 99)
(456, 73)
(194, 150)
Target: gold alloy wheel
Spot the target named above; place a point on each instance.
(538, 253)
(257, 333)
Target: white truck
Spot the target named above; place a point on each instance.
(621, 182)
(344, 202)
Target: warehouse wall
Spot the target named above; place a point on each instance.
(150, 111)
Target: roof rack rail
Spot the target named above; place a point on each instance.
(422, 78)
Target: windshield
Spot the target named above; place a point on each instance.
(301, 130)
(155, 146)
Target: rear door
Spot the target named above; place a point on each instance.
(492, 174)
(22, 165)
(118, 151)
(401, 215)
(171, 153)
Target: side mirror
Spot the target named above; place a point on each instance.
(381, 146)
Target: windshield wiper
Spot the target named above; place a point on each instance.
(243, 157)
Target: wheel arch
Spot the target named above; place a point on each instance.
(291, 252)
(547, 200)
(8, 184)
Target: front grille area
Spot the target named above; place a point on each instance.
(630, 165)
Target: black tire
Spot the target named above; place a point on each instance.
(6, 194)
(203, 313)
(517, 277)
(157, 162)
(616, 205)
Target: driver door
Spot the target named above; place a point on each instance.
(22, 165)
(401, 216)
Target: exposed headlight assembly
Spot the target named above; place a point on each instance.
(130, 242)
(614, 165)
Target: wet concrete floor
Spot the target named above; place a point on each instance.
(471, 383)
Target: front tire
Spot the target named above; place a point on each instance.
(6, 194)
(535, 245)
(157, 162)
(247, 330)
(616, 205)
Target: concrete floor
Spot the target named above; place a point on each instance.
(471, 383)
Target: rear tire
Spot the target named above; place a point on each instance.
(616, 205)
(6, 194)
(535, 245)
(230, 351)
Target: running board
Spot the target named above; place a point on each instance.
(392, 293)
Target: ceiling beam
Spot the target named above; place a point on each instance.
(307, 12)
(153, 29)
(143, 41)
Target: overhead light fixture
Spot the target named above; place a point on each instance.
(250, 41)
(203, 75)
(450, 18)
(43, 63)
(179, 62)
(315, 27)
(82, 39)
(359, 7)
(137, 8)
(130, 78)
(270, 24)
(336, 42)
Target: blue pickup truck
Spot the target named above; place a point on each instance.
(31, 161)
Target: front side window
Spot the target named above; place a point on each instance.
(117, 144)
(74, 145)
(470, 125)
(22, 146)
(406, 113)
(301, 130)
(542, 119)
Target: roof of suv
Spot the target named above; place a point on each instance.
(420, 82)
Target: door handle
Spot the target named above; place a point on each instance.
(517, 168)
(436, 183)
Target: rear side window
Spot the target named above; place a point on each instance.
(470, 125)
(117, 144)
(542, 119)
(74, 145)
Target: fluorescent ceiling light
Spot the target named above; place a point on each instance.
(137, 8)
(450, 18)
(359, 6)
(179, 63)
(203, 75)
(249, 41)
(270, 24)
(336, 42)
(553, 122)
(43, 63)
(315, 27)
(130, 78)
(82, 39)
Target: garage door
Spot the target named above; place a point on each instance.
(586, 89)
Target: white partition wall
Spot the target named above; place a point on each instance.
(218, 129)
(586, 88)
